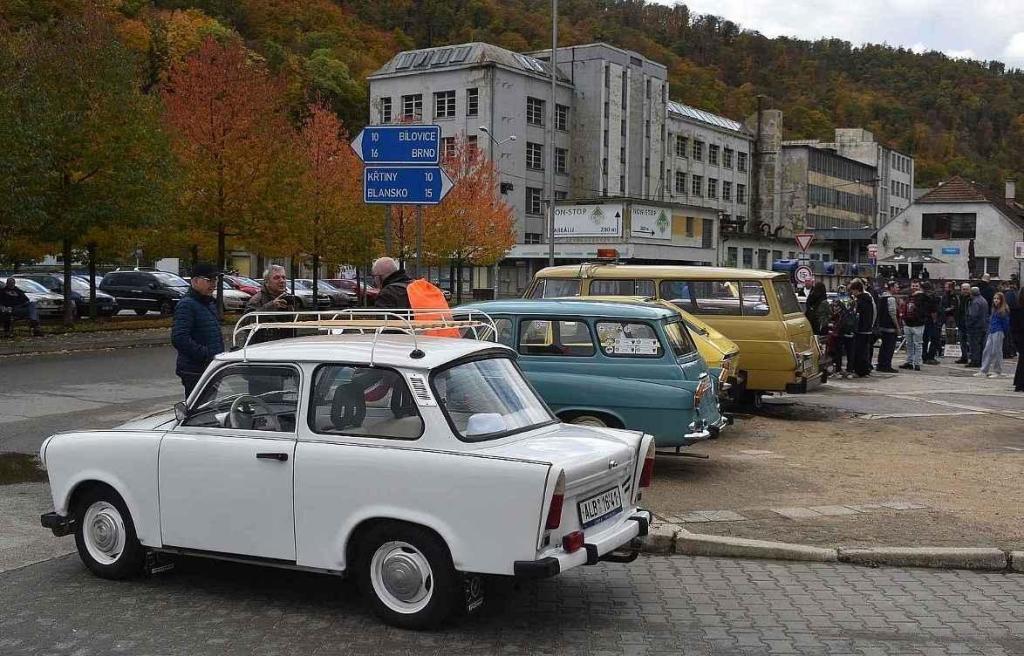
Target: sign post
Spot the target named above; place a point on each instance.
(401, 168)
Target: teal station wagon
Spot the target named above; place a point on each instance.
(623, 365)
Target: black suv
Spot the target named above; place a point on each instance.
(143, 291)
(106, 306)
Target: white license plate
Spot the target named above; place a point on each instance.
(600, 507)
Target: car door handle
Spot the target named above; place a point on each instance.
(280, 457)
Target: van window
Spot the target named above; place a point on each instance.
(552, 337)
(787, 297)
(505, 335)
(710, 297)
(555, 288)
(621, 288)
(628, 339)
(754, 302)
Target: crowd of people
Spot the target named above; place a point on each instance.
(986, 321)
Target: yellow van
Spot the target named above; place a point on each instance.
(757, 310)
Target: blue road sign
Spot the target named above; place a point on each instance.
(399, 144)
(405, 185)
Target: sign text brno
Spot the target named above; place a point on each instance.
(399, 144)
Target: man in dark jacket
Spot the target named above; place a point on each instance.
(393, 283)
(960, 315)
(977, 326)
(865, 328)
(14, 304)
(932, 325)
(196, 331)
(888, 326)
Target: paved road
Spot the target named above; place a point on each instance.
(657, 605)
(44, 394)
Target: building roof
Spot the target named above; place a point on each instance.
(463, 55)
(705, 117)
(958, 190)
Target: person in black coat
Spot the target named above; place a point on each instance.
(393, 283)
(196, 331)
(865, 305)
(1017, 331)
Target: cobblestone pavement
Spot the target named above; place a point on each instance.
(657, 605)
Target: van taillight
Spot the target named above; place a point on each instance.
(647, 473)
(555, 509)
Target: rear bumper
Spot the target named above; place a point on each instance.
(59, 524)
(607, 545)
(806, 384)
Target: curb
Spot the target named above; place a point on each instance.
(668, 539)
(98, 342)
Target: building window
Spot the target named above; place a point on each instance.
(741, 193)
(561, 195)
(606, 110)
(681, 143)
(604, 167)
(412, 106)
(607, 76)
(385, 110)
(713, 155)
(647, 166)
(698, 149)
(561, 160)
(680, 182)
(535, 111)
(444, 104)
(647, 129)
(697, 185)
(472, 102)
(472, 145)
(732, 254)
(622, 127)
(561, 117)
(727, 156)
(748, 258)
(447, 147)
(534, 156)
(622, 184)
(989, 265)
(622, 154)
(959, 225)
(533, 203)
(533, 238)
(726, 190)
(647, 92)
(741, 162)
(712, 188)
(689, 226)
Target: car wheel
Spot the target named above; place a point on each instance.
(105, 536)
(141, 312)
(588, 420)
(166, 307)
(407, 574)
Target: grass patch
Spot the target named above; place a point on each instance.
(20, 468)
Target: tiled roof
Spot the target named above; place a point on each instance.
(958, 190)
(705, 117)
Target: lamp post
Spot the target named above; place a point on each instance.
(496, 143)
(551, 134)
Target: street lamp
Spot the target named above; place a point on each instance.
(511, 137)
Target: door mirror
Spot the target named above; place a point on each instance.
(180, 411)
(153, 285)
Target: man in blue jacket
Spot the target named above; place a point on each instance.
(196, 331)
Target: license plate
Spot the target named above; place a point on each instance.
(600, 507)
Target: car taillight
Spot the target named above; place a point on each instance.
(573, 541)
(702, 389)
(555, 509)
(647, 473)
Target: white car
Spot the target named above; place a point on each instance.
(415, 464)
(234, 299)
(47, 303)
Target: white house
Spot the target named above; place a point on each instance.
(945, 221)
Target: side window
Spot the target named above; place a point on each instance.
(716, 297)
(250, 397)
(505, 335)
(555, 288)
(628, 339)
(678, 293)
(621, 288)
(754, 302)
(363, 401)
(552, 337)
(787, 297)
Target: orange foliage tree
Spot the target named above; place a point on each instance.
(473, 225)
(237, 148)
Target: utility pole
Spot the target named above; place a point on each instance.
(419, 241)
(551, 134)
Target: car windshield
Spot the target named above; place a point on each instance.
(81, 286)
(488, 399)
(555, 288)
(31, 286)
(325, 286)
(170, 279)
(301, 284)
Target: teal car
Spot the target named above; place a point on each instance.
(623, 365)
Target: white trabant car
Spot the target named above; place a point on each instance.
(415, 464)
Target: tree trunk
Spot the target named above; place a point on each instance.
(221, 257)
(92, 281)
(458, 283)
(69, 305)
(193, 252)
(316, 279)
(451, 276)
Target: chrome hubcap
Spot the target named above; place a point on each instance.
(104, 532)
(401, 577)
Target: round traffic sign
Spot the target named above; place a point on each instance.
(803, 274)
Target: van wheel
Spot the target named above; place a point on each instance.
(588, 420)
(105, 536)
(753, 399)
(407, 574)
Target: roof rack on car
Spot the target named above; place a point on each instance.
(369, 321)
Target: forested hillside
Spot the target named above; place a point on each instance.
(955, 116)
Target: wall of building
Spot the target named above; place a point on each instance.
(689, 166)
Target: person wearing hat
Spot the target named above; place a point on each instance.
(196, 331)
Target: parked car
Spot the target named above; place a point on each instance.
(145, 290)
(623, 365)
(360, 290)
(48, 304)
(339, 297)
(234, 299)
(304, 296)
(288, 454)
(242, 284)
(756, 309)
(106, 305)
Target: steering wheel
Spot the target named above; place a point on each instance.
(246, 420)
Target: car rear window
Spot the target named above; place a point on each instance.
(621, 288)
(679, 338)
(787, 297)
(555, 337)
(555, 288)
(628, 339)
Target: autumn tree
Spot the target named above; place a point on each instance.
(239, 153)
(473, 225)
(82, 145)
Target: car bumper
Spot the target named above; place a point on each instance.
(806, 384)
(620, 543)
(59, 524)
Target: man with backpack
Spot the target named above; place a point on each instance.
(932, 325)
(918, 307)
(393, 283)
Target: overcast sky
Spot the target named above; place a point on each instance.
(983, 29)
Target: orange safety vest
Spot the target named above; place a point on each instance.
(425, 299)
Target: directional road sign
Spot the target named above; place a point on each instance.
(399, 144)
(405, 185)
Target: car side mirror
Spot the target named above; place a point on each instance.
(153, 285)
(180, 411)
